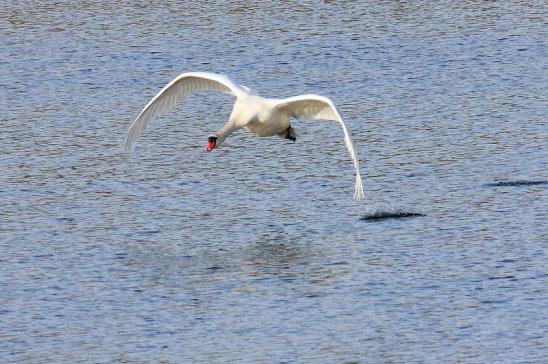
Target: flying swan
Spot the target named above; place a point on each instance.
(263, 117)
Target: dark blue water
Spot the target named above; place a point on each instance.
(256, 252)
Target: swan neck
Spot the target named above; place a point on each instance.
(227, 129)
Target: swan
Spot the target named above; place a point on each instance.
(262, 116)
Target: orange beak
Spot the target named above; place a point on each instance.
(211, 142)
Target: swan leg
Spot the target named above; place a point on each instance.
(290, 134)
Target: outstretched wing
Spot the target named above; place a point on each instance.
(320, 107)
(183, 85)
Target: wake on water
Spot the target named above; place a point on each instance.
(394, 212)
(519, 182)
(390, 212)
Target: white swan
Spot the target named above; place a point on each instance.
(262, 116)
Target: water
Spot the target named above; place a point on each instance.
(256, 252)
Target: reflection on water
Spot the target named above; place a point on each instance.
(256, 253)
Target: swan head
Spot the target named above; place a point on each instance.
(211, 143)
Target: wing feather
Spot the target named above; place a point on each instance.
(320, 107)
(183, 85)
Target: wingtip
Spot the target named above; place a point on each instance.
(127, 146)
(358, 192)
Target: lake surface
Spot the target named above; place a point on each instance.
(256, 252)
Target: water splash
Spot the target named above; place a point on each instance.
(390, 212)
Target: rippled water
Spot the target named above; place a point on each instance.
(256, 252)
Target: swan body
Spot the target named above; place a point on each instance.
(262, 116)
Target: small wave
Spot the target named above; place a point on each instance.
(520, 182)
(389, 213)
